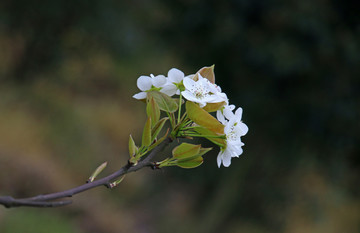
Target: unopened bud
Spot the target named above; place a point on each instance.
(116, 182)
(97, 172)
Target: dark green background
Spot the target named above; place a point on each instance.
(68, 70)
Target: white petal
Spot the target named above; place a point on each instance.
(239, 150)
(220, 117)
(238, 113)
(201, 104)
(244, 128)
(235, 149)
(189, 96)
(229, 125)
(140, 95)
(218, 88)
(211, 86)
(144, 83)
(223, 96)
(201, 77)
(190, 76)
(175, 75)
(159, 81)
(169, 89)
(228, 111)
(226, 160)
(219, 159)
(189, 84)
(213, 99)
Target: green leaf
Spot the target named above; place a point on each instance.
(190, 163)
(152, 110)
(159, 140)
(157, 128)
(132, 146)
(177, 100)
(203, 131)
(203, 118)
(204, 151)
(186, 150)
(146, 137)
(212, 107)
(165, 102)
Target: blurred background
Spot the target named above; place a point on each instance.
(68, 70)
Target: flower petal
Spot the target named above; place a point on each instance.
(238, 113)
(189, 84)
(213, 99)
(175, 75)
(220, 117)
(228, 111)
(144, 83)
(219, 159)
(169, 89)
(189, 96)
(243, 127)
(190, 76)
(226, 160)
(140, 95)
(159, 81)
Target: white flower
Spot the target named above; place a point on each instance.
(174, 79)
(146, 83)
(225, 112)
(202, 91)
(234, 129)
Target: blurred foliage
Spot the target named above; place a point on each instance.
(68, 70)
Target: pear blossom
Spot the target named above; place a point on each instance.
(234, 129)
(149, 83)
(225, 112)
(202, 91)
(174, 80)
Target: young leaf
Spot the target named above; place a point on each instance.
(152, 110)
(203, 118)
(204, 151)
(212, 107)
(165, 102)
(159, 141)
(132, 147)
(117, 182)
(186, 150)
(203, 131)
(208, 73)
(146, 137)
(157, 128)
(190, 163)
(97, 172)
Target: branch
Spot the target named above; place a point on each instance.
(46, 200)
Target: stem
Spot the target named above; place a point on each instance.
(43, 200)
(204, 136)
(171, 116)
(179, 112)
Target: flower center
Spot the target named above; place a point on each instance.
(201, 92)
(232, 135)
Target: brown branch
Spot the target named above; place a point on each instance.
(45, 200)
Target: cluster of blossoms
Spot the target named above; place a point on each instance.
(204, 96)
